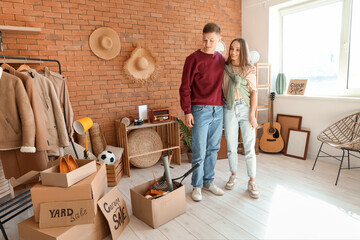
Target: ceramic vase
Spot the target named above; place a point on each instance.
(280, 83)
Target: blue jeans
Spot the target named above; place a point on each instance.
(232, 118)
(206, 133)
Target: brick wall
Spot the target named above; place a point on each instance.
(98, 88)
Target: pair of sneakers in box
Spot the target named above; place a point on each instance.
(252, 189)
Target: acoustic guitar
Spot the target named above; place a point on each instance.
(271, 140)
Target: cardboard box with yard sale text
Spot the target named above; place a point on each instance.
(58, 206)
(29, 230)
(157, 211)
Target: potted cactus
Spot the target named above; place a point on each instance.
(186, 138)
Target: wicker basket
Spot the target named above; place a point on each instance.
(143, 141)
(97, 139)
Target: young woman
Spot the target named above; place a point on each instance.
(240, 93)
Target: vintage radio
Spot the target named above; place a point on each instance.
(159, 115)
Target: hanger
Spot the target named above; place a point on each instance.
(23, 67)
(41, 67)
(5, 66)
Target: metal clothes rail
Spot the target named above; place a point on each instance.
(38, 60)
(30, 60)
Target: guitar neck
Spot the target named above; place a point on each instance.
(271, 114)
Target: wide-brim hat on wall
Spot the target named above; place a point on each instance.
(105, 43)
(141, 66)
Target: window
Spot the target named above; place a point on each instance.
(321, 42)
(354, 56)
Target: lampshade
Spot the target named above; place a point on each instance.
(82, 125)
(255, 57)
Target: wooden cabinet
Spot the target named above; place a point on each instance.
(169, 134)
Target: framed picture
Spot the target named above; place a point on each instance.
(287, 122)
(297, 144)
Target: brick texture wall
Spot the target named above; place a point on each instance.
(172, 29)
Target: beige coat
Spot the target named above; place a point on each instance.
(63, 94)
(17, 124)
(41, 134)
(54, 118)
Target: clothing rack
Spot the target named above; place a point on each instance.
(38, 60)
(30, 60)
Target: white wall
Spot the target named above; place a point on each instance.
(317, 112)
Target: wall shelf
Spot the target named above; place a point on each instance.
(17, 29)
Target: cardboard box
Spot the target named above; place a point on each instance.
(61, 214)
(114, 208)
(29, 230)
(157, 211)
(53, 177)
(91, 188)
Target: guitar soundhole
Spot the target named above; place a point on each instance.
(274, 132)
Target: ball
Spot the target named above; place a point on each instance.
(107, 156)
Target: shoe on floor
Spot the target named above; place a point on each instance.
(196, 194)
(231, 183)
(253, 191)
(214, 189)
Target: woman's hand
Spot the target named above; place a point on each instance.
(189, 120)
(253, 121)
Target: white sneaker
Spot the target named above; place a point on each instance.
(231, 183)
(253, 191)
(196, 194)
(214, 189)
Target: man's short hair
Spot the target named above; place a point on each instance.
(211, 27)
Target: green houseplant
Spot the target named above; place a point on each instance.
(186, 137)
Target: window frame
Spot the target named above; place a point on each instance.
(344, 52)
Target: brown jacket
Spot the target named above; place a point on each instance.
(63, 94)
(17, 124)
(41, 134)
(54, 118)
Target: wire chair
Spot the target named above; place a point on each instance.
(344, 135)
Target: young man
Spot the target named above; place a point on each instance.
(202, 101)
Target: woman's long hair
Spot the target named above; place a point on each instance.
(244, 55)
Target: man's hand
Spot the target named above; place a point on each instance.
(189, 120)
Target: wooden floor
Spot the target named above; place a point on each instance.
(295, 203)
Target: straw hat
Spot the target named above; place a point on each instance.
(105, 43)
(141, 66)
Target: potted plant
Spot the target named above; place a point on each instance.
(186, 138)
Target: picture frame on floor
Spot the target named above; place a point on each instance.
(297, 144)
(287, 122)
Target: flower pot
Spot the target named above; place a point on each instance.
(189, 155)
(280, 83)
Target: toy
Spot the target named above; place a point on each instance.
(107, 156)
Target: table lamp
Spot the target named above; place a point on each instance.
(82, 126)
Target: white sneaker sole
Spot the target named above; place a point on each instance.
(217, 194)
(229, 187)
(253, 196)
(196, 200)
